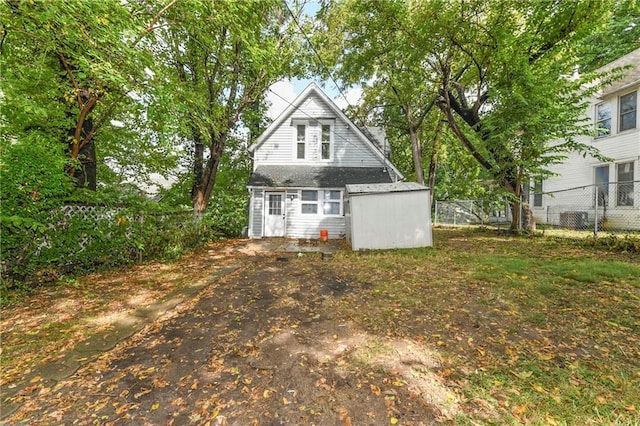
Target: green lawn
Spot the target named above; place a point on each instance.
(530, 330)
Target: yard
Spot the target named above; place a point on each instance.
(482, 328)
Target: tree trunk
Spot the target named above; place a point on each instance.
(82, 148)
(205, 179)
(416, 151)
(433, 162)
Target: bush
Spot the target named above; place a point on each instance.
(627, 244)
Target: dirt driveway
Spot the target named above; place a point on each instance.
(259, 346)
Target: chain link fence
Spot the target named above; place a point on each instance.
(608, 207)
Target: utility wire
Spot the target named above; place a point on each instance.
(335, 134)
(327, 69)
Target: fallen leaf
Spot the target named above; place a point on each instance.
(375, 389)
(538, 388)
(393, 420)
(550, 420)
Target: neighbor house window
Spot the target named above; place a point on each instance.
(628, 110)
(301, 139)
(603, 119)
(331, 202)
(537, 193)
(602, 184)
(309, 202)
(624, 194)
(325, 143)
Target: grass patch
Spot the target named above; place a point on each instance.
(531, 330)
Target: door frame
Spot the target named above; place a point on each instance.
(265, 212)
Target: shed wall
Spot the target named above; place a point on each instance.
(390, 220)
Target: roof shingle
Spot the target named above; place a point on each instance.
(316, 176)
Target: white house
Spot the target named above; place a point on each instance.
(302, 164)
(569, 198)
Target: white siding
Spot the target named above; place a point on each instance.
(387, 220)
(300, 225)
(256, 214)
(349, 150)
(578, 171)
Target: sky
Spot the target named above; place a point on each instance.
(283, 92)
(290, 89)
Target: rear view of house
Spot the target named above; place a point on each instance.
(302, 164)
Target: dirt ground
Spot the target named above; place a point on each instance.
(481, 329)
(260, 347)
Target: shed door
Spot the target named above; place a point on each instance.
(274, 215)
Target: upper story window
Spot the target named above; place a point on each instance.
(325, 142)
(628, 110)
(603, 119)
(301, 138)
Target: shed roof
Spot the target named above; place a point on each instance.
(379, 188)
(316, 177)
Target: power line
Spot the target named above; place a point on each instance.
(335, 134)
(327, 69)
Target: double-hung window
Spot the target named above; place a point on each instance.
(331, 202)
(628, 111)
(602, 185)
(309, 201)
(603, 119)
(624, 194)
(325, 142)
(301, 139)
(537, 193)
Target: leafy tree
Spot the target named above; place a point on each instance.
(220, 58)
(70, 68)
(499, 71)
(617, 35)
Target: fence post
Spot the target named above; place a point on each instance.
(595, 224)
(435, 216)
(520, 214)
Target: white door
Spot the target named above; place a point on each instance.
(274, 215)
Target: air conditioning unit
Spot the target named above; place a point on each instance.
(573, 220)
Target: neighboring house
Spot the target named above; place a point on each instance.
(302, 163)
(614, 113)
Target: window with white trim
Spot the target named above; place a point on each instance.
(628, 111)
(537, 193)
(325, 141)
(602, 184)
(624, 194)
(309, 201)
(331, 203)
(301, 138)
(603, 119)
(329, 200)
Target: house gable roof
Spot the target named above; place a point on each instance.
(311, 90)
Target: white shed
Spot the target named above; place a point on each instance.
(388, 215)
